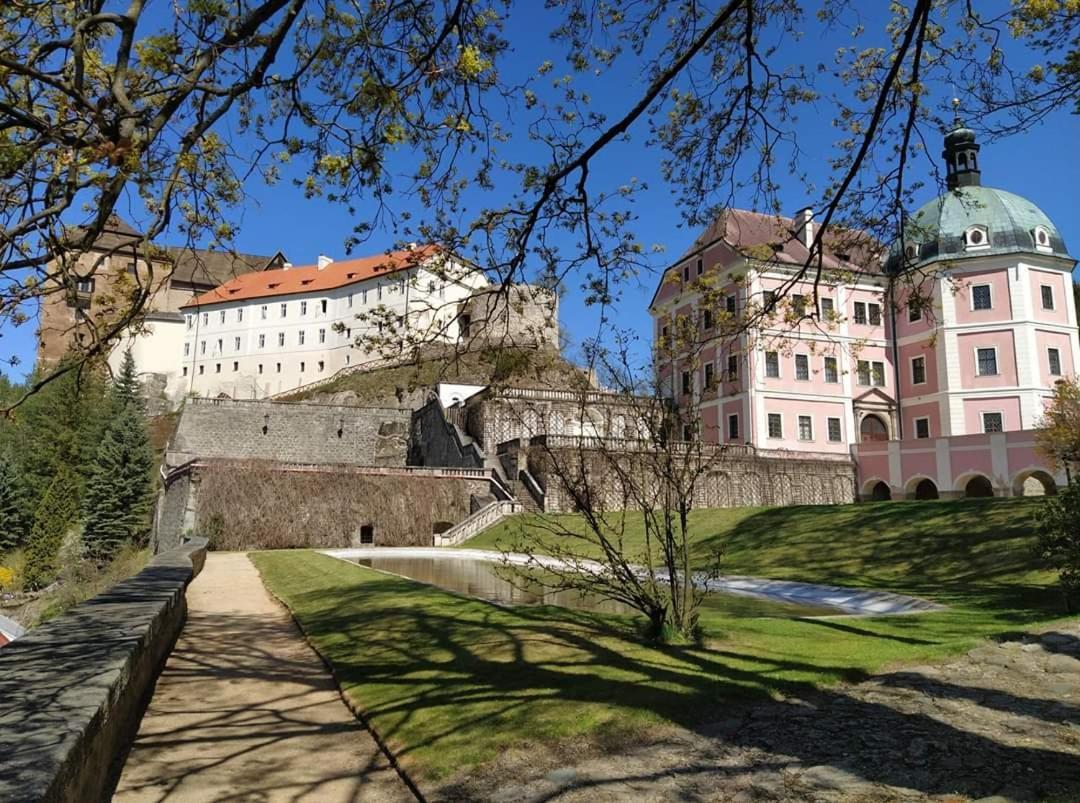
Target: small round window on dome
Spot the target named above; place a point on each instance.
(911, 251)
(976, 237)
(1041, 237)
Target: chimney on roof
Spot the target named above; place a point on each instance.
(803, 221)
(324, 260)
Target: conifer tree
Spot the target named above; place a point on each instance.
(13, 507)
(126, 388)
(118, 494)
(52, 520)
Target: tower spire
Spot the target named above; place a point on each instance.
(961, 154)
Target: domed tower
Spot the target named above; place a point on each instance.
(985, 320)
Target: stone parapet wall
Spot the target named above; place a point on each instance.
(435, 440)
(740, 480)
(74, 689)
(290, 432)
(266, 505)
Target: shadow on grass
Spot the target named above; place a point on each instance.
(449, 681)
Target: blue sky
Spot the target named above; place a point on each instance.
(1038, 164)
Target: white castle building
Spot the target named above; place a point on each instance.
(265, 333)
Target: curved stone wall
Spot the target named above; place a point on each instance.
(73, 690)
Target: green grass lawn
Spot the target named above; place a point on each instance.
(451, 682)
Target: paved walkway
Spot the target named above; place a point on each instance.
(245, 710)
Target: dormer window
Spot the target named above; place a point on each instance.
(911, 251)
(1041, 236)
(976, 238)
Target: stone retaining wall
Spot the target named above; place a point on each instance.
(290, 432)
(74, 689)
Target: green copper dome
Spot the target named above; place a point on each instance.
(1010, 224)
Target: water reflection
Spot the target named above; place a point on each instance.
(482, 579)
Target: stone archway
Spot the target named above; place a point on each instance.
(926, 489)
(1035, 482)
(978, 487)
(873, 428)
(880, 492)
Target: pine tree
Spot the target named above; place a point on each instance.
(126, 388)
(52, 520)
(13, 507)
(118, 494)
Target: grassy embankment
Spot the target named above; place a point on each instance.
(452, 681)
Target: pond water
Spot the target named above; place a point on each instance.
(487, 580)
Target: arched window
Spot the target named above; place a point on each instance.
(872, 428)
(881, 492)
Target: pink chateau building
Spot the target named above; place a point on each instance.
(929, 365)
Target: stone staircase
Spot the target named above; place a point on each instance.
(475, 524)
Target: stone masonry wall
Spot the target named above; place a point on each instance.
(260, 505)
(735, 482)
(290, 432)
(435, 441)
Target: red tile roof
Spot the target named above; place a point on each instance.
(309, 279)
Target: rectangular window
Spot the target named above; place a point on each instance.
(284, 309)
(709, 378)
(878, 370)
(1047, 296)
(187, 349)
(802, 367)
(914, 312)
(1054, 357)
(980, 297)
(731, 304)
(322, 335)
(776, 426)
(190, 319)
(768, 300)
(87, 286)
(202, 370)
(321, 366)
(772, 365)
(223, 316)
(664, 333)
(235, 366)
(831, 372)
(863, 370)
(303, 308)
(922, 428)
(798, 305)
(686, 273)
(206, 319)
(826, 308)
(860, 312)
(733, 427)
(686, 383)
(733, 368)
(185, 370)
(281, 339)
(300, 338)
(874, 311)
(220, 347)
(363, 296)
(350, 301)
(202, 347)
(132, 269)
(918, 371)
(806, 428)
(378, 292)
(236, 344)
(322, 306)
(260, 368)
(240, 315)
(986, 360)
(278, 367)
(262, 341)
(301, 367)
(262, 312)
(835, 435)
(706, 319)
(992, 422)
(217, 368)
(700, 266)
